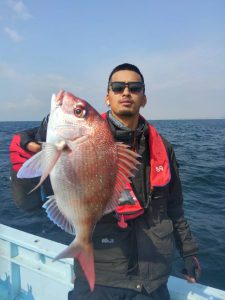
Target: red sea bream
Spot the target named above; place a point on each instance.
(88, 172)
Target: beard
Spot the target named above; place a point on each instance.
(126, 113)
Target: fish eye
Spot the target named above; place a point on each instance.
(79, 112)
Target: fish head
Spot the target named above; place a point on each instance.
(72, 117)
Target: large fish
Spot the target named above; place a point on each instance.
(88, 172)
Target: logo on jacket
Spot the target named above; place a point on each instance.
(159, 169)
(107, 241)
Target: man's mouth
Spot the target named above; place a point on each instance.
(126, 102)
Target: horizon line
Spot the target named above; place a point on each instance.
(174, 119)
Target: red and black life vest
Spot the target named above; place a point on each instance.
(159, 175)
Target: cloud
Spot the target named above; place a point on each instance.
(7, 72)
(19, 107)
(197, 68)
(13, 10)
(30, 103)
(27, 96)
(19, 9)
(14, 36)
(47, 81)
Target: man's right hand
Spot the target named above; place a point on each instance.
(33, 147)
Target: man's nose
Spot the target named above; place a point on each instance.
(126, 91)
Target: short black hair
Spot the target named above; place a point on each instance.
(126, 66)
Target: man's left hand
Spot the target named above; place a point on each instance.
(191, 269)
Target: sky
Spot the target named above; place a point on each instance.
(179, 46)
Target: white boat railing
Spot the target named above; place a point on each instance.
(28, 273)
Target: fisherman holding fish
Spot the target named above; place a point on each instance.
(117, 189)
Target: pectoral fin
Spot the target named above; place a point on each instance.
(42, 163)
(32, 167)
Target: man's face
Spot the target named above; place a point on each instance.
(125, 103)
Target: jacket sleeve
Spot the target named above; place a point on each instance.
(42, 130)
(36, 134)
(184, 240)
(27, 136)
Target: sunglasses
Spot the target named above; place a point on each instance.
(133, 87)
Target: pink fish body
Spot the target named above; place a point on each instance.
(88, 172)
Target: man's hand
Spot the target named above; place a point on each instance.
(33, 147)
(191, 269)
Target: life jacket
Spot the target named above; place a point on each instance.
(17, 154)
(159, 176)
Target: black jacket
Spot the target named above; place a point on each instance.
(141, 254)
(37, 134)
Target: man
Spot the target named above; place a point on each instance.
(133, 246)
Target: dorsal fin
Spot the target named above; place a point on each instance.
(126, 162)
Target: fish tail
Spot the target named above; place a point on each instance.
(84, 254)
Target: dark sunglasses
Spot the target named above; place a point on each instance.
(133, 87)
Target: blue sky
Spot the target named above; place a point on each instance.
(50, 45)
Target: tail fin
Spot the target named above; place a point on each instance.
(85, 256)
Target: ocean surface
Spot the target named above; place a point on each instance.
(200, 150)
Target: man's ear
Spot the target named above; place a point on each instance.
(107, 100)
(144, 101)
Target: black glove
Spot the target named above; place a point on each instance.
(191, 267)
